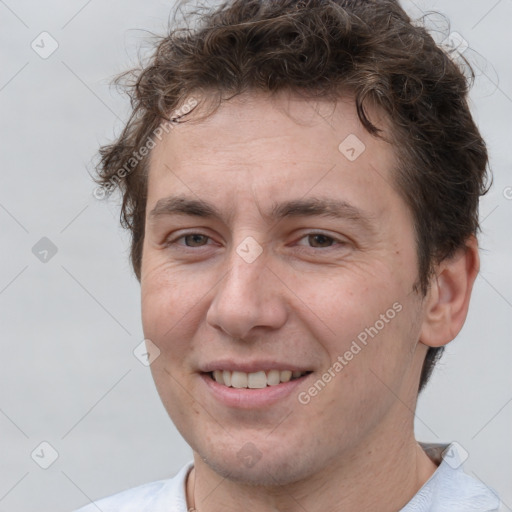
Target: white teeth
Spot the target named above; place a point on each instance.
(286, 375)
(239, 380)
(273, 377)
(227, 378)
(255, 380)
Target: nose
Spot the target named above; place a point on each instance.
(248, 298)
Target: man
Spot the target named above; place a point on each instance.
(301, 181)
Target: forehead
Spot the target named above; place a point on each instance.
(274, 148)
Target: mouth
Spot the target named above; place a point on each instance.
(255, 380)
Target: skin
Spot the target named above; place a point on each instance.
(302, 301)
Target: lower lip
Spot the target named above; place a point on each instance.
(252, 398)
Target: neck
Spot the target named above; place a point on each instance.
(382, 475)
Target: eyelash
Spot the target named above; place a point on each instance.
(335, 241)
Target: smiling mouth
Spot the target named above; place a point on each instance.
(255, 380)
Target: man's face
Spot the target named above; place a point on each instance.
(309, 260)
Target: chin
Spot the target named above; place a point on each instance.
(268, 467)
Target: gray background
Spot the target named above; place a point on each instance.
(69, 326)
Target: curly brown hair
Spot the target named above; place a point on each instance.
(320, 48)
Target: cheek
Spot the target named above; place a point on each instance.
(169, 308)
(378, 359)
(170, 302)
(345, 301)
(368, 318)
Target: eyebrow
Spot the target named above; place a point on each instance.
(181, 205)
(310, 207)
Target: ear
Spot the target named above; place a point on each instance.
(447, 301)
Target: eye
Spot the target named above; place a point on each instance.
(196, 240)
(190, 240)
(320, 241)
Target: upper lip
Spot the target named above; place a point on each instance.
(250, 366)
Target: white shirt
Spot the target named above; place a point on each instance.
(449, 489)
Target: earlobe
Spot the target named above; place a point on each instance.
(447, 302)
